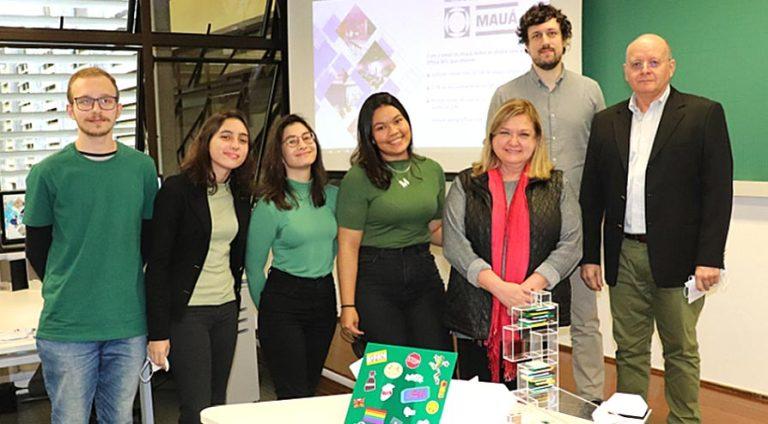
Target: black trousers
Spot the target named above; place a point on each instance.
(297, 319)
(400, 297)
(473, 361)
(202, 349)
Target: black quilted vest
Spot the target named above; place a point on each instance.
(468, 308)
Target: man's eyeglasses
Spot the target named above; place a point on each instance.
(638, 65)
(85, 103)
(293, 141)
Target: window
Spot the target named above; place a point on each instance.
(109, 16)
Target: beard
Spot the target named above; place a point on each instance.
(548, 65)
(100, 132)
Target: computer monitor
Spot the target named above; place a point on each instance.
(12, 225)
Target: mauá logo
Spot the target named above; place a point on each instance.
(495, 19)
(456, 22)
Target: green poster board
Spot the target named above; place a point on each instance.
(401, 385)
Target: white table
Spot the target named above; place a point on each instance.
(317, 410)
(12, 256)
(21, 309)
(333, 410)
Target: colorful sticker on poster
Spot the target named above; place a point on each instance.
(370, 383)
(415, 394)
(374, 416)
(441, 391)
(432, 407)
(393, 370)
(378, 357)
(386, 391)
(438, 363)
(413, 360)
(414, 378)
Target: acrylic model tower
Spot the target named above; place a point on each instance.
(531, 343)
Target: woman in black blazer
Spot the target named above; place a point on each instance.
(195, 268)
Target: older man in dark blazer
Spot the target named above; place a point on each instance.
(658, 177)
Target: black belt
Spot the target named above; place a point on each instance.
(642, 238)
(424, 247)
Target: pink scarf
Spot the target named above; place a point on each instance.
(510, 229)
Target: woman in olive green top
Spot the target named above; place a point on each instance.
(389, 210)
(195, 268)
(294, 217)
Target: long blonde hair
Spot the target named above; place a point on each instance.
(541, 166)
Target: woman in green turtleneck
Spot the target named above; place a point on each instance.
(295, 219)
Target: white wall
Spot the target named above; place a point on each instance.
(731, 329)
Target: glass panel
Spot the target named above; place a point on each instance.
(109, 15)
(33, 104)
(188, 93)
(218, 54)
(233, 17)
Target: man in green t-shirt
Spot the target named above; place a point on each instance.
(86, 206)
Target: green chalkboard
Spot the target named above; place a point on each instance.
(720, 49)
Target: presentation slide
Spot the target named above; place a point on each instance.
(442, 58)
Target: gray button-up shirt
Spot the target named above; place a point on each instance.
(566, 115)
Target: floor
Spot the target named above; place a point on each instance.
(717, 407)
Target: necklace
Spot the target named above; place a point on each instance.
(402, 179)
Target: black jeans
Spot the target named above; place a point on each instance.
(473, 361)
(297, 319)
(400, 297)
(202, 349)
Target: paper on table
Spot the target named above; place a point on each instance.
(355, 367)
(156, 368)
(626, 405)
(17, 334)
(479, 402)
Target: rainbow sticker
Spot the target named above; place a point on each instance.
(374, 416)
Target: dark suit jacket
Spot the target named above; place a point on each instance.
(181, 234)
(688, 188)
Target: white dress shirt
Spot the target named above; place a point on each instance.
(643, 132)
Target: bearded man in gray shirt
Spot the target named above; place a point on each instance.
(566, 102)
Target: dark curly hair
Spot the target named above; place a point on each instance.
(537, 15)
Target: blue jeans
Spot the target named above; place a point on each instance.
(76, 373)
